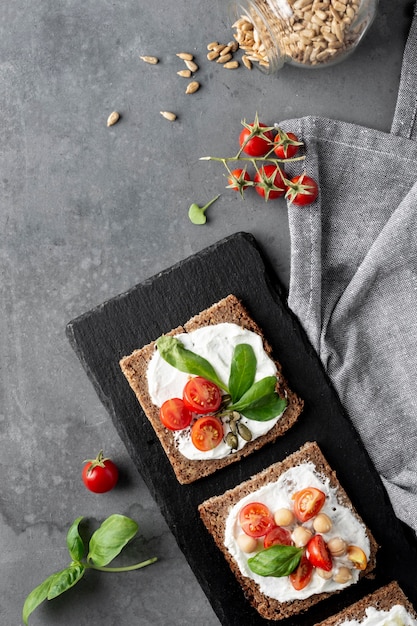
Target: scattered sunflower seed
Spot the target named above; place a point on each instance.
(149, 59)
(192, 66)
(231, 65)
(184, 73)
(192, 87)
(185, 56)
(113, 118)
(224, 59)
(168, 115)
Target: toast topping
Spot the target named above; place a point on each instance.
(322, 548)
(235, 362)
(396, 616)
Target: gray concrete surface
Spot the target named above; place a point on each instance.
(88, 211)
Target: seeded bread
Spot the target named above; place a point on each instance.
(214, 513)
(382, 599)
(134, 367)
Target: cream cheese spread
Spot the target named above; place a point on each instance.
(396, 616)
(278, 495)
(215, 343)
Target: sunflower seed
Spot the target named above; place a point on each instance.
(193, 67)
(185, 56)
(192, 87)
(184, 73)
(231, 65)
(113, 118)
(149, 59)
(168, 115)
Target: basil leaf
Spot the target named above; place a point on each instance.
(75, 544)
(242, 371)
(173, 352)
(263, 387)
(36, 597)
(64, 580)
(266, 408)
(276, 561)
(108, 540)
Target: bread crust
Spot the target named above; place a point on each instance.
(383, 599)
(134, 367)
(215, 511)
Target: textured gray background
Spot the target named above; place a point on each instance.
(85, 213)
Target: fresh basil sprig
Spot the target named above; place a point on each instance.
(255, 400)
(277, 561)
(173, 352)
(104, 545)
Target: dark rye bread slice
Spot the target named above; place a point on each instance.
(215, 511)
(134, 367)
(382, 599)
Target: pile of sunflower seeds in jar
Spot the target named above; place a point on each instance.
(301, 32)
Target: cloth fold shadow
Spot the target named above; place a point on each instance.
(353, 282)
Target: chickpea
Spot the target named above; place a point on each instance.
(343, 575)
(322, 523)
(301, 536)
(246, 543)
(283, 517)
(323, 574)
(337, 546)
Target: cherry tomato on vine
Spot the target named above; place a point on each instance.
(256, 139)
(100, 474)
(237, 179)
(256, 519)
(277, 535)
(318, 553)
(269, 182)
(302, 190)
(286, 145)
(301, 576)
(207, 433)
(307, 503)
(201, 396)
(174, 414)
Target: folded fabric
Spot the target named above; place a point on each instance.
(353, 282)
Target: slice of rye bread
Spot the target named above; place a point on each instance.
(215, 510)
(383, 599)
(134, 367)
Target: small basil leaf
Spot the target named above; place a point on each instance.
(173, 352)
(108, 540)
(64, 580)
(266, 408)
(263, 387)
(75, 544)
(276, 561)
(36, 597)
(242, 371)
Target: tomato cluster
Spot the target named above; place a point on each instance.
(304, 527)
(270, 145)
(201, 399)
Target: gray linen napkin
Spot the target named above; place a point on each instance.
(353, 282)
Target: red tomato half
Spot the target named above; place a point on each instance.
(307, 503)
(207, 433)
(174, 414)
(256, 141)
(278, 535)
(318, 553)
(301, 576)
(201, 396)
(100, 474)
(256, 519)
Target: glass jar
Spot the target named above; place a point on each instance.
(304, 33)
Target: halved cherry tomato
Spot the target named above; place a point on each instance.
(206, 433)
(307, 503)
(174, 414)
(201, 396)
(277, 535)
(318, 553)
(301, 576)
(358, 557)
(256, 519)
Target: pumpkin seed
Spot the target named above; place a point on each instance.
(232, 441)
(244, 431)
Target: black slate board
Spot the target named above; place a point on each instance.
(235, 265)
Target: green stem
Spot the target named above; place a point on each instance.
(225, 160)
(127, 568)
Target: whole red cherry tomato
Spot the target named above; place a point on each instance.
(238, 180)
(286, 145)
(256, 139)
(269, 182)
(302, 190)
(100, 474)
